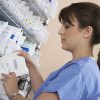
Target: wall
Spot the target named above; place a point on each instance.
(52, 54)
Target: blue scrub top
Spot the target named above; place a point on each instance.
(76, 80)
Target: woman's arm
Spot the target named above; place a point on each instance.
(36, 78)
(19, 97)
(48, 96)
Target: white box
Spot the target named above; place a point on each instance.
(13, 63)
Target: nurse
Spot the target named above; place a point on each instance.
(78, 79)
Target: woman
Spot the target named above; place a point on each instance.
(79, 79)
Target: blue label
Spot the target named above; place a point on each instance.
(25, 49)
(12, 36)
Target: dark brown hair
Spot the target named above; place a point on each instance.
(87, 14)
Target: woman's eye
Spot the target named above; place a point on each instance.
(67, 26)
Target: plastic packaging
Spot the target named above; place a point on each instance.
(45, 8)
(29, 47)
(24, 85)
(14, 64)
(36, 57)
(11, 39)
(3, 26)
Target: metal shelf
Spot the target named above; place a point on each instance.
(44, 8)
(5, 15)
(37, 11)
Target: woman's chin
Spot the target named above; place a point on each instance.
(63, 48)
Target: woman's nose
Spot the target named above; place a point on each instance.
(61, 31)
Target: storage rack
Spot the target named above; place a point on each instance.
(5, 15)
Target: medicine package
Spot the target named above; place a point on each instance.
(13, 63)
(10, 38)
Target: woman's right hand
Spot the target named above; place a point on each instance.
(36, 78)
(29, 60)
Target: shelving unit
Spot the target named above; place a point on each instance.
(7, 16)
(32, 19)
(44, 8)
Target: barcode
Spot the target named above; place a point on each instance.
(15, 64)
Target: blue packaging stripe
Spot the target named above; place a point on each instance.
(25, 49)
(12, 36)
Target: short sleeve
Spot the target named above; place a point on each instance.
(68, 84)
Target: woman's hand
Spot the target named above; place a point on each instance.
(36, 78)
(10, 83)
(29, 60)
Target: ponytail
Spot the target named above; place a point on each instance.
(98, 60)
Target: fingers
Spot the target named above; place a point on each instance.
(17, 50)
(11, 75)
(5, 77)
(23, 53)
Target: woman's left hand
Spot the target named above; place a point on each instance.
(10, 83)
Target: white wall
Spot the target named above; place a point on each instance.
(52, 55)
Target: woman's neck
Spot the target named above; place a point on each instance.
(82, 53)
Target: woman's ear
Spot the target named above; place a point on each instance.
(88, 32)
